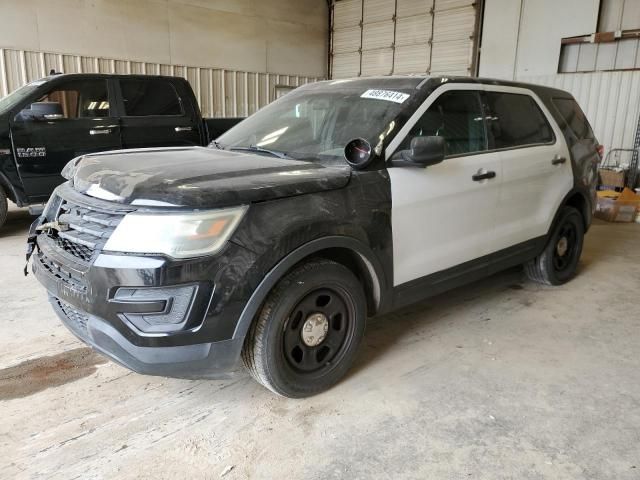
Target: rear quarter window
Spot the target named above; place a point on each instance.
(516, 120)
(576, 120)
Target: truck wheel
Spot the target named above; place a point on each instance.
(4, 206)
(306, 336)
(558, 261)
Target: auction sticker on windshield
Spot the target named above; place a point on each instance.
(388, 95)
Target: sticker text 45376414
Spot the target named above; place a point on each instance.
(387, 95)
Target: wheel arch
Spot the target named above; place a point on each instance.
(578, 200)
(352, 253)
(8, 188)
(15, 194)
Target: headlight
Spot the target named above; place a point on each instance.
(178, 235)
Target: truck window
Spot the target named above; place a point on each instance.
(574, 116)
(80, 99)
(456, 116)
(145, 98)
(516, 120)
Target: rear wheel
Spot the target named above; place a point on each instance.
(308, 331)
(4, 206)
(558, 262)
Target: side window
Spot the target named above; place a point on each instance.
(517, 120)
(456, 116)
(144, 98)
(80, 99)
(575, 118)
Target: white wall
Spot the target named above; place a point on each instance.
(619, 15)
(611, 101)
(276, 36)
(521, 40)
(522, 37)
(499, 38)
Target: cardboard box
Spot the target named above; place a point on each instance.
(617, 207)
(612, 178)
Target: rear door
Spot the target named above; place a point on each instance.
(85, 124)
(443, 215)
(536, 167)
(154, 114)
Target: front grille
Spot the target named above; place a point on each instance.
(61, 274)
(79, 251)
(77, 319)
(87, 229)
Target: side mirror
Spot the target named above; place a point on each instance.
(424, 151)
(42, 111)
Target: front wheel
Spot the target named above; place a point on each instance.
(558, 261)
(306, 335)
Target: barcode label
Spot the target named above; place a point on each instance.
(388, 95)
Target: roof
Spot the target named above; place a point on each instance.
(106, 75)
(437, 80)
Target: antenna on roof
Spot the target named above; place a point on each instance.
(53, 72)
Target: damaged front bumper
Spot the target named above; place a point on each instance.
(150, 314)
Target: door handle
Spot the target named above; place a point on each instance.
(183, 129)
(102, 131)
(558, 160)
(483, 176)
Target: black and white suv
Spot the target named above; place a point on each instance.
(342, 200)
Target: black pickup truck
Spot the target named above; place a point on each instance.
(48, 122)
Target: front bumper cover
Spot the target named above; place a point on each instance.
(202, 360)
(89, 300)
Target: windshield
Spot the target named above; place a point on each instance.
(317, 121)
(17, 96)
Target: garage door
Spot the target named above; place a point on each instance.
(384, 37)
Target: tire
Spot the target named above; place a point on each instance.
(307, 333)
(558, 261)
(4, 207)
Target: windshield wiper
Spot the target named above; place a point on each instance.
(218, 145)
(255, 148)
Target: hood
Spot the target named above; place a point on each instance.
(198, 177)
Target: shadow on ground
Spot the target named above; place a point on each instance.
(386, 331)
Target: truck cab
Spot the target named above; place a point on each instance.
(48, 122)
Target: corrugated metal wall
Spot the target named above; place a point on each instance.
(221, 93)
(588, 57)
(611, 101)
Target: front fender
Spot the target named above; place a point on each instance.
(296, 256)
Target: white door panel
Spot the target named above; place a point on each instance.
(532, 187)
(531, 191)
(440, 216)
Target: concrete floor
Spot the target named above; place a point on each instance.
(501, 379)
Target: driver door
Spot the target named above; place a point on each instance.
(43, 146)
(443, 215)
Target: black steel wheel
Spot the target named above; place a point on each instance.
(315, 331)
(306, 336)
(558, 262)
(566, 244)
